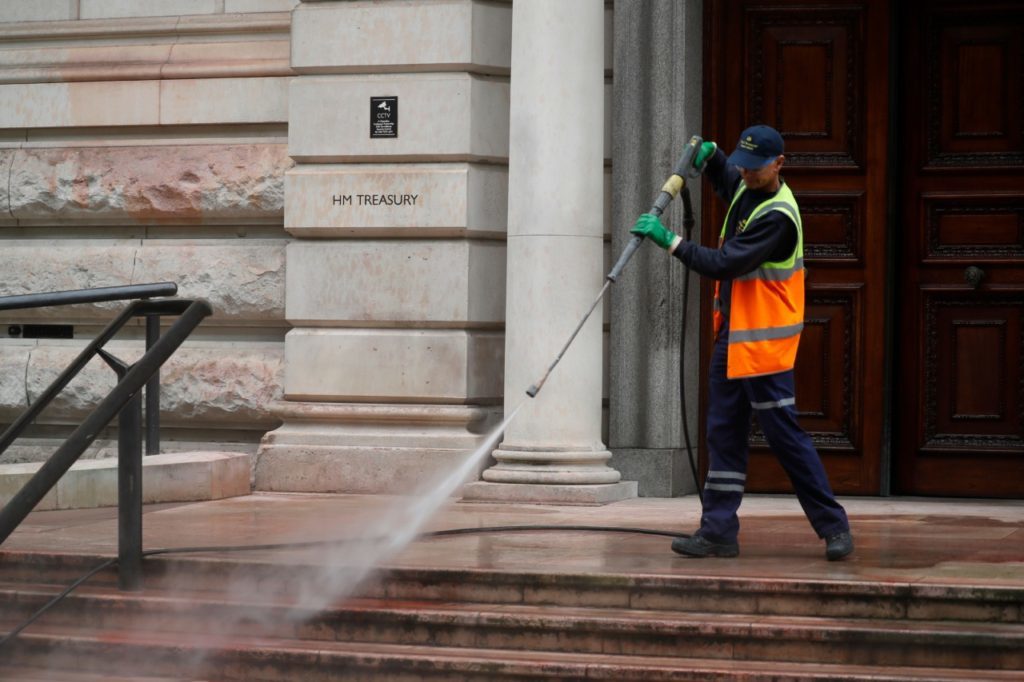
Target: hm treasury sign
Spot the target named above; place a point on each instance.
(375, 199)
(431, 198)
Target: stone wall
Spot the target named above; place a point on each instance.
(146, 141)
(396, 274)
(657, 107)
(396, 285)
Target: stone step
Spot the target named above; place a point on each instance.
(124, 652)
(707, 594)
(48, 674)
(637, 632)
(170, 477)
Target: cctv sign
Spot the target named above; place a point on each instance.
(383, 117)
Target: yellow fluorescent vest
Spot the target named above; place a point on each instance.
(767, 305)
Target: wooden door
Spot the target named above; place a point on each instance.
(817, 72)
(960, 346)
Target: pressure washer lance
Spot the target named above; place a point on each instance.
(684, 169)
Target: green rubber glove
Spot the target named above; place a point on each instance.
(706, 151)
(648, 225)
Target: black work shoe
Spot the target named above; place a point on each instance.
(839, 545)
(700, 546)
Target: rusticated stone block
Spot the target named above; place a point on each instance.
(13, 396)
(243, 280)
(6, 156)
(194, 184)
(42, 265)
(199, 386)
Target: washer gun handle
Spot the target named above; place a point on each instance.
(684, 168)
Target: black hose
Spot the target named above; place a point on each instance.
(56, 600)
(688, 222)
(10, 636)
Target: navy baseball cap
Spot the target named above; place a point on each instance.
(758, 146)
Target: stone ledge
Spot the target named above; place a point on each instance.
(176, 477)
(483, 491)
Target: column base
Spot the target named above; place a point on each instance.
(368, 448)
(536, 493)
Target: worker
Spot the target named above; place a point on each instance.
(758, 316)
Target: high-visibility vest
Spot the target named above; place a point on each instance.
(766, 312)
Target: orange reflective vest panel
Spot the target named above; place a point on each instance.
(766, 312)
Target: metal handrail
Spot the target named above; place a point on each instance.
(95, 295)
(130, 382)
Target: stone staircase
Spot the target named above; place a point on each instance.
(472, 624)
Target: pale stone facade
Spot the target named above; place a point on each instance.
(146, 141)
(378, 300)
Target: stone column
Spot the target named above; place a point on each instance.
(553, 451)
(398, 123)
(657, 107)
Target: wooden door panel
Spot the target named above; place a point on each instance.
(971, 433)
(960, 416)
(802, 68)
(973, 376)
(977, 93)
(833, 227)
(970, 228)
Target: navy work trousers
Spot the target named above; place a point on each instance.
(772, 398)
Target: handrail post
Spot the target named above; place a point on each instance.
(129, 495)
(153, 391)
(129, 483)
(191, 313)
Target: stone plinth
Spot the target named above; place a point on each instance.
(531, 493)
(366, 448)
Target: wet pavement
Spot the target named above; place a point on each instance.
(899, 540)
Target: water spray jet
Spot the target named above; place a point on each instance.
(417, 515)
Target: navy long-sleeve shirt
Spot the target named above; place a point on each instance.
(772, 237)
